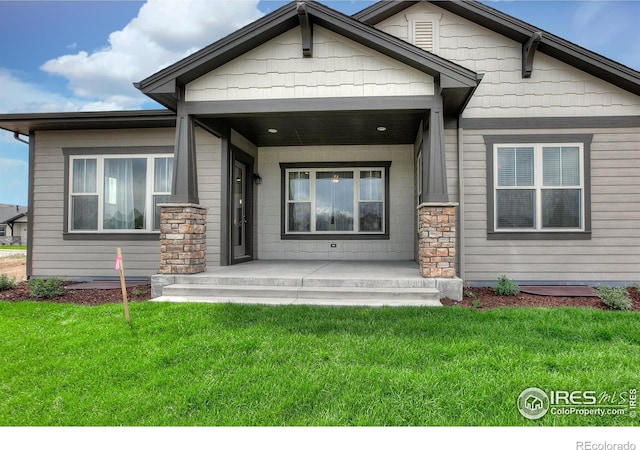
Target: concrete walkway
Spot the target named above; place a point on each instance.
(5, 253)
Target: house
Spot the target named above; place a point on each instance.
(534, 403)
(444, 132)
(13, 224)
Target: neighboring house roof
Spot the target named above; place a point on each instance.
(520, 31)
(162, 86)
(11, 213)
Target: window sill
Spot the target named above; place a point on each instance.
(540, 236)
(335, 237)
(143, 236)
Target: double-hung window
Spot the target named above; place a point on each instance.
(335, 200)
(538, 187)
(118, 193)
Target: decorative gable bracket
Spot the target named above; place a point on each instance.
(528, 52)
(306, 28)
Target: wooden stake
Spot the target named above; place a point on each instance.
(123, 284)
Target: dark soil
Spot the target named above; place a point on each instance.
(488, 299)
(89, 297)
(485, 296)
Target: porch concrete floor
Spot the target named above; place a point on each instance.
(363, 283)
(383, 272)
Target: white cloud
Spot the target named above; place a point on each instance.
(608, 28)
(588, 12)
(12, 166)
(14, 179)
(163, 32)
(21, 96)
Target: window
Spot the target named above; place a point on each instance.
(538, 188)
(335, 200)
(2, 230)
(118, 193)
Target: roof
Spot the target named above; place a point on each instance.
(590, 62)
(10, 213)
(24, 123)
(457, 82)
(162, 86)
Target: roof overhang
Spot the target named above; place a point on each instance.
(318, 121)
(26, 123)
(597, 65)
(13, 219)
(456, 82)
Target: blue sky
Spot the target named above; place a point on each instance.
(84, 55)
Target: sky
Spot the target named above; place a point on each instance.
(84, 55)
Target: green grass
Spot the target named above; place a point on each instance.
(204, 364)
(13, 247)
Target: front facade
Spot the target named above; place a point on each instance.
(441, 132)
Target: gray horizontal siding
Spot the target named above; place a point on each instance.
(613, 252)
(208, 157)
(53, 256)
(451, 156)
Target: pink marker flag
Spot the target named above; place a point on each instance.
(118, 261)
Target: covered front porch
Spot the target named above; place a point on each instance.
(302, 282)
(304, 111)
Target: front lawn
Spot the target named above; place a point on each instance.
(13, 247)
(204, 364)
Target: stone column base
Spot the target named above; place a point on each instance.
(183, 245)
(437, 240)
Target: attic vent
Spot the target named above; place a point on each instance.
(423, 36)
(424, 30)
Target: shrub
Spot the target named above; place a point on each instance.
(6, 282)
(49, 288)
(476, 304)
(506, 286)
(615, 297)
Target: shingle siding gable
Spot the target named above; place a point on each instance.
(554, 89)
(339, 68)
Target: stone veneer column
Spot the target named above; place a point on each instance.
(437, 239)
(183, 247)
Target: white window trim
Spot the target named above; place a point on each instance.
(435, 21)
(356, 198)
(149, 211)
(538, 187)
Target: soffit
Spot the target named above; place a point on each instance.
(336, 128)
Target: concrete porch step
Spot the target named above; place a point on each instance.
(301, 295)
(329, 282)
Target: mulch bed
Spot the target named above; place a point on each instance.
(89, 297)
(485, 295)
(488, 299)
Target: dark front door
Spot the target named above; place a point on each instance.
(241, 208)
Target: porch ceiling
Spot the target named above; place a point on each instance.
(329, 128)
